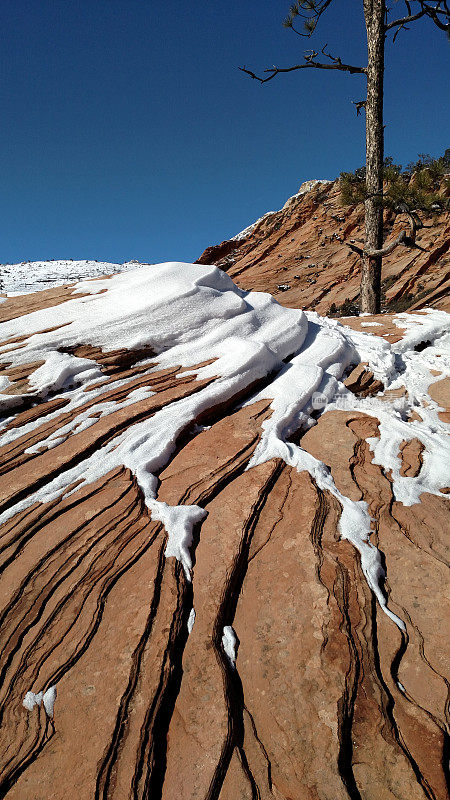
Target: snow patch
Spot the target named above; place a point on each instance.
(61, 369)
(427, 326)
(306, 187)
(179, 522)
(230, 644)
(190, 314)
(33, 276)
(191, 620)
(46, 698)
(250, 228)
(31, 700)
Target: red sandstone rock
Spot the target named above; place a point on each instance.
(328, 698)
(440, 393)
(411, 456)
(301, 247)
(313, 709)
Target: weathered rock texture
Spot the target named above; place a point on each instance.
(298, 255)
(328, 700)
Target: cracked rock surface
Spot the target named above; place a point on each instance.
(327, 700)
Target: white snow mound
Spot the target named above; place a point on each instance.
(189, 314)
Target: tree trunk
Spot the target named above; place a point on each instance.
(374, 14)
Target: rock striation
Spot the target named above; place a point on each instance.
(267, 668)
(298, 254)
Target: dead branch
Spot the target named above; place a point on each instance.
(405, 238)
(404, 20)
(310, 62)
(359, 105)
(355, 249)
(438, 13)
(433, 12)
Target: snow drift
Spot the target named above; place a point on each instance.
(240, 343)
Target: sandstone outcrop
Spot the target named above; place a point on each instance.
(321, 696)
(298, 254)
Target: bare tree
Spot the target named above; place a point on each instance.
(378, 25)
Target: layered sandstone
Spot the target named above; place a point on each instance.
(327, 697)
(300, 256)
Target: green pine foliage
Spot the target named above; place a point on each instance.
(349, 308)
(309, 12)
(353, 186)
(423, 185)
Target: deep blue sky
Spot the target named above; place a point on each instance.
(128, 132)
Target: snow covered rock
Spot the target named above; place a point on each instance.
(162, 448)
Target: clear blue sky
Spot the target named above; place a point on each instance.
(128, 132)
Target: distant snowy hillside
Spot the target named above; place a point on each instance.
(31, 276)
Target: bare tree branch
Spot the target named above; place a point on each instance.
(310, 62)
(355, 249)
(405, 238)
(400, 28)
(433, 13)
(404, 20)
(377, 22)
(359, 105)
(438, 13)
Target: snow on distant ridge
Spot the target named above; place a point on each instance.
(247, 231)
(304, 188)
(32, 276)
